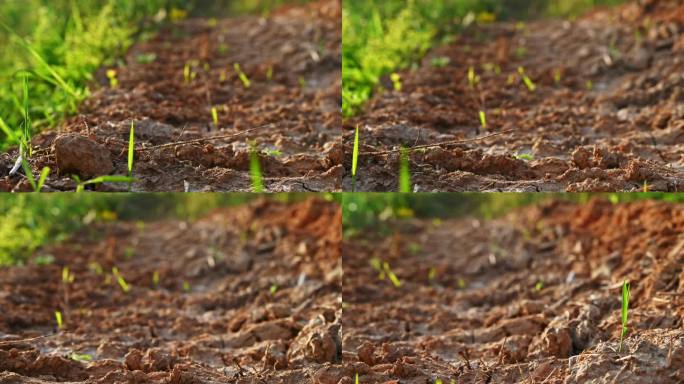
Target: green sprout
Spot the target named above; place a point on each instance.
(36, 185)
(273, 289)
(356, 379)
(473, 78)
(80, 185)
(355, 158)
(272, 152)
(187, 73)
(67, 276)
(646, 188)
(393, 278)
(557, 76)
(155, 279)
(255, 170)
(131, 154)
(214, 116)
(438, 381)
(58, 318)
(269, 73)
(432, 274)
(146, 58)
(120, 279)
(483, 120)
(80, 357)
(440, 62)
(539, 285)
(302, 81)
(396, 81)
(404, 173)
(461, 283)
(589, 85)
(242, 76)
(528, 82)
(186, 286)
(524, 156)
(624, 312)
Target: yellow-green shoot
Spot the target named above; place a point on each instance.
(131, 153)
(483, 120)
(473, 78)
(120, 279)
(393, 277)
(269, 73)
(243, 77)
(81, 357)
(356, 378)
(396, 81)
(113, 80)
(58, 319)
(187, 73)
(624, 312)
(155, 279)
(528, 82)
(214, 117)
(273, 289)
(355, 158)
(404, 173)
(80, 186)
(255, 170)
(37, 185)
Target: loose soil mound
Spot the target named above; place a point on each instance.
(293, 62)
(533, 297)
(607, 113)
(245, 295)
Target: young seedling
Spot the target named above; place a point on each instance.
(393, 278)
(269, 73)
(81, 357)
(243, 77)
(113, 80)
(624, 312)
(146, 58)
(355, 158)
(214, 117)
(186, 286)
(539, 285)
(461, 283)
(255, 170)
(557, 76)
(37, 185)
(273, 289)
(80, 185)
(440, 62)
(356, 379)
(473, 78)
(524, 157)
(528, 82)
(120, 279)
(589, 85)
(188, 73)
(302, 82)
(432, 274)
(396, 81)
(646, 187)
(483, 120)
(404, 173)
(58, 319)
(155, 279)
(131, 154)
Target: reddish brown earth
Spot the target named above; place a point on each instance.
(296, 112)
(539, 300)
(625, 130)
(226, 326)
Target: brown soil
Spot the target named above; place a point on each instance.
(539, 300)
(297, 112)
(225, 326)
(622, 130)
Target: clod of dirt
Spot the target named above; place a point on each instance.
(79, 155)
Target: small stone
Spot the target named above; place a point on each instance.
(79, 155)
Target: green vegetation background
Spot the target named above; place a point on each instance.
(380, 36)
(28, 221)
(59, 44)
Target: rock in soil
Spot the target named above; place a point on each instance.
(81, 156)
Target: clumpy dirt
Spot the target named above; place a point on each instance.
(245, 295)
(607, 113)
(291, 110)
(531, 297)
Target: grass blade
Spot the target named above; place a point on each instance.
(355, 158)
(43, 176)
(131, 149)
(29, 173)
(624, 313)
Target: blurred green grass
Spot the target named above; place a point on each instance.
(29, 221)
(380, 37)
(365, 210)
